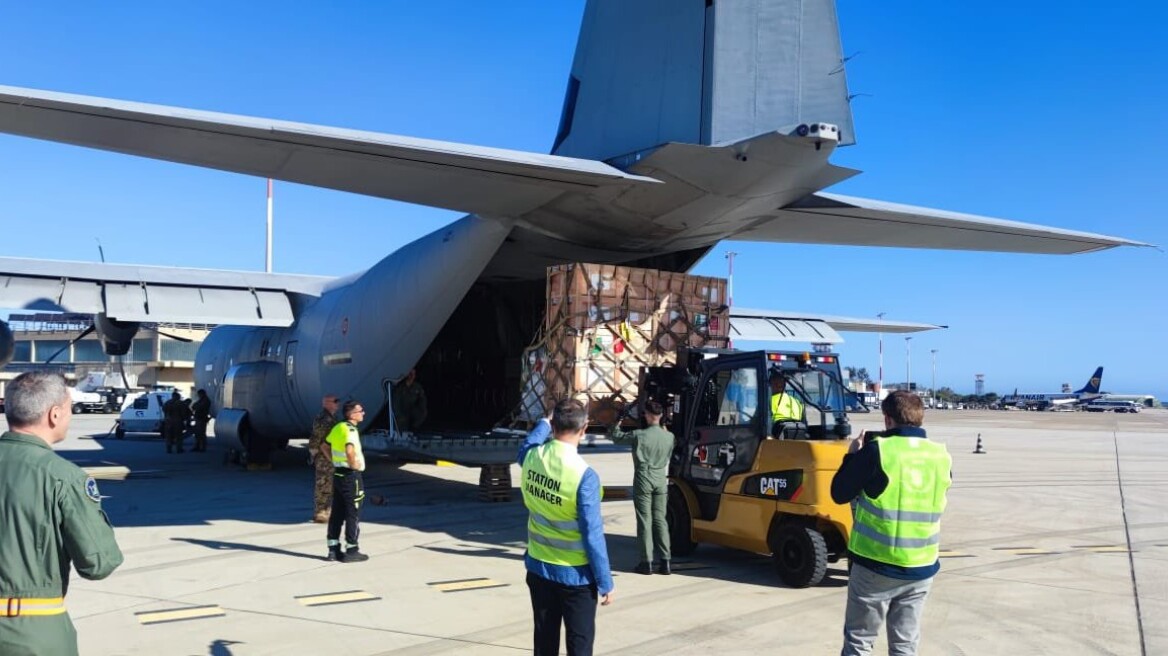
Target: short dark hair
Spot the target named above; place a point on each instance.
(349, 407)
(202, 392)
(903, 408)
(569, 416)
(653, 408)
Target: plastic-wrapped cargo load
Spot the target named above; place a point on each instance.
(604, 322)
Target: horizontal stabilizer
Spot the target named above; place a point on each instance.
(474, 179)
(153, 293)
(834, 219)
(782, 325)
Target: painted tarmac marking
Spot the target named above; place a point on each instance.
(1026, 551)
(686, 567)
(461, 585)
(955, 554)
(179, 614)
(332, 598)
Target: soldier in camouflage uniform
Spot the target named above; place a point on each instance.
(409, 403)
(52, 521)
(322, 494)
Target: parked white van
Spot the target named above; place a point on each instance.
(142, 415)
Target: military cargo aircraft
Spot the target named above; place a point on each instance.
(657, 159)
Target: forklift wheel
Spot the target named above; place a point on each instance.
(680, 526)
(800, 555)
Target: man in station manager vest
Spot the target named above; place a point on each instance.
(898, 480)
(567, 559)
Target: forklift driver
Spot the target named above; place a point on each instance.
(785, 408)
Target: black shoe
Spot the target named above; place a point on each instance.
(663, 568)
(643, 568)
(353, 556)
(333, 554)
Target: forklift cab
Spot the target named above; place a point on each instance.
(721, 407)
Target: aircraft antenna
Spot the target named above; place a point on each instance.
(268, 251)
(99, 250)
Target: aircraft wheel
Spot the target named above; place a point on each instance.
(800, 555)
(680, 524)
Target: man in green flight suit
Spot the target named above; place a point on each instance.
(652, 448)
(52, 518)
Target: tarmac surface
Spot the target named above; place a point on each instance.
(1055, 542)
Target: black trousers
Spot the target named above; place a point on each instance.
(573, 605)
(348, 494)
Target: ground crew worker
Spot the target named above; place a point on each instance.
(322, 459)
(652, 448)
(409, 403)
(174, 420)
(344, 444)
(784, 407)
(567, 559)
(52, 519)
(201, 409)
(898, 479)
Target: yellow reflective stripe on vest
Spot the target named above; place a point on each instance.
(551, 480)
(896, 515)
(31, 607)
(902, 526)
(551, 523)
(895, 542)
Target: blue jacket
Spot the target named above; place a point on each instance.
(596, 572)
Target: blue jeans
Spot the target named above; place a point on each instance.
(872, 598)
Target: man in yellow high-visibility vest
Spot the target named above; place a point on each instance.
(343, 446)
(898, 481)
(784, 406)
(567, 559)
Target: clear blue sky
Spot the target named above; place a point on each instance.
(1045, 112)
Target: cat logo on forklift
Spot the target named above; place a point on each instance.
(771, 486)
(782, 485)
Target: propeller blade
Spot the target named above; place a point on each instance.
(73, 341)
(122, 370)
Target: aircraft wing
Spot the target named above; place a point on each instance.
(153, 293)
(833, 219)
(473, 179)
(785, 326)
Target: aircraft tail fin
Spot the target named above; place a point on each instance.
(1092, 386)
(651, 72)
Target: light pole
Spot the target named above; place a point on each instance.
(908, 362)
(880, 374)
(934, 392)
(729, 291)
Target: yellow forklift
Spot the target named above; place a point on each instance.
(742, 480)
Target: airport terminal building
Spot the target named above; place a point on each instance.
(155, 358)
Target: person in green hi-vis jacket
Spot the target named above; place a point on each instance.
(652, 448)
(52, 519)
